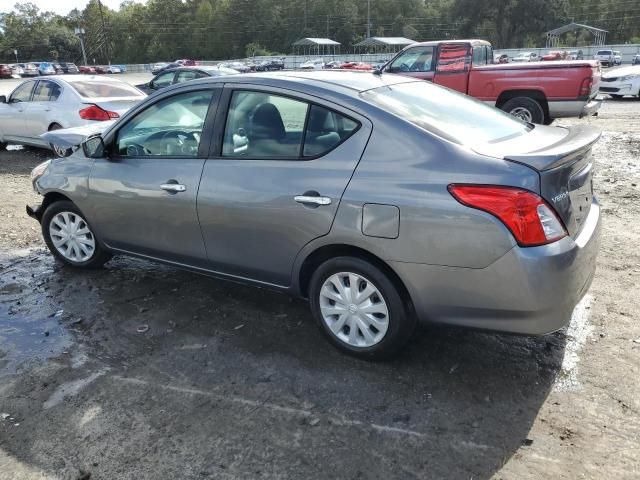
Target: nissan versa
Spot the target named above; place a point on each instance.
(382, 199)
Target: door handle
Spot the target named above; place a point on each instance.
(173, 187)
(312, 200)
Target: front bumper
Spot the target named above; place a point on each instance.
(627, 87)
(35, 211)
(529, 290)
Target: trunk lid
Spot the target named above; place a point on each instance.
(565, 166)
(73, 137)
(120, 106)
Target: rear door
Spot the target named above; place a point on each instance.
(38, 112)
(453, 67)
(274, 181)
(417, 62)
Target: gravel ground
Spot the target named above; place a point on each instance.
(233, 382)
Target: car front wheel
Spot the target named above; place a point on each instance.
(359, 308)
(70, 237)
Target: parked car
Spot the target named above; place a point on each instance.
(87, 69)
(526, 57)
(251, 65)
(183, 74)
(29, 70)
(123, 68)
(498, 227)
(5, 71)
(113, 69)
(167, 66)
(554, 55)
(58, 68)
(537, 92)
(45, 68)
(617, 58)
(101, 69)
(621, 81)
(158, 66)
(185, 62)
(576, 55)
(270, 65)
(237, 66)
(68, 67)
(16, 70)
(605, 57)
(356, 66)
(635, 60)
(314, 64)
(501, 58)
(40, 105)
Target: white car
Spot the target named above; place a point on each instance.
(526, 57)
(617, 58)
(113, 69)
(621, 81)
(317, 64)
(605, 57)
(40, 105)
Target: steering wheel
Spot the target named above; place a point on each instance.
(186, 145)
(135, 150)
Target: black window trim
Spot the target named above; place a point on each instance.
(220, 123)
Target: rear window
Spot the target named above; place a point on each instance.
(604, 52)
(449, 114)
(105, 89)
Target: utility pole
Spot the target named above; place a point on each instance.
(368, 18)
(327, 35)
(104, 32)
(80, 32)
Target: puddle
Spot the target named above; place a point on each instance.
(24, 340)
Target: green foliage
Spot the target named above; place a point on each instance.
(163, 30)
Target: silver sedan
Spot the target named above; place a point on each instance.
(51, 103)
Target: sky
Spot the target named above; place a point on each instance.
(62, 7)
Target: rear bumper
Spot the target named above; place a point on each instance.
(528, 290)
(573, 108)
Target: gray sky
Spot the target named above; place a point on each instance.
(62, 7)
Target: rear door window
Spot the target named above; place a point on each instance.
(185, 76)
(46, 92)
(263, 125)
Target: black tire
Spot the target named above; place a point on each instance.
(99, 255)
(59, 151)
(3, 146)
(617, 97)
(400, 318)
(527, 106)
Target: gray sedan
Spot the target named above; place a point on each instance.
(381, 199)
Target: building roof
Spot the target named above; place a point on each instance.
(384, 41)
(305, 42)
(574, 26)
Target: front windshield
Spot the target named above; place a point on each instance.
(447, 113)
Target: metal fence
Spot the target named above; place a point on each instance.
(627, 51)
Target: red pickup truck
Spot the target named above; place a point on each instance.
(537, 92)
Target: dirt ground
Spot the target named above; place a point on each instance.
(235, 382)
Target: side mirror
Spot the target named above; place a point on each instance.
(3, 99)
(93, 147)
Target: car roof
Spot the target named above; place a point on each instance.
(473, 42)
(350, 82)
(82, 78)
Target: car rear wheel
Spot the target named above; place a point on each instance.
(525, 108)
(70, 237)
(58, 150)
(3, 146)
(359, 308)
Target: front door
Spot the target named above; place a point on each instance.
(12, 123)
(276, 181)
(38, 111)
(143, 197)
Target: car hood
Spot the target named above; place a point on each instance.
(73, 137)
(620, 72)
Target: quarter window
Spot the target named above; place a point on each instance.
(480, 55)
(22, 93)
(262, 125)
(418, 59)
(169, 128)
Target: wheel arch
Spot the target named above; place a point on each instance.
(50, 198)
(321, 254)
(537, 95)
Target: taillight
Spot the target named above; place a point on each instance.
(585, 87)
(529, 218)
(94, 112)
